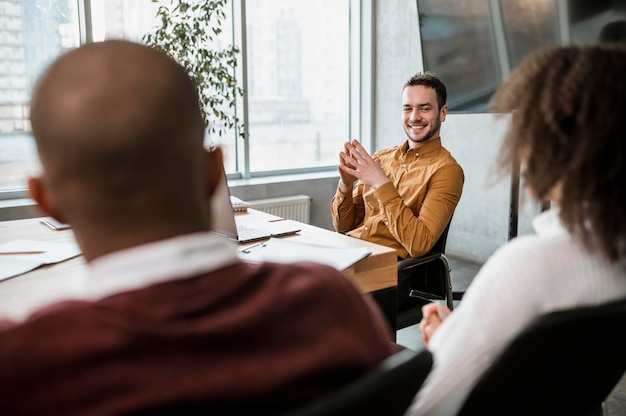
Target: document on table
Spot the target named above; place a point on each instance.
(21, 256)
(285, 251)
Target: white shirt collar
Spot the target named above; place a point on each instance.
(172, 259)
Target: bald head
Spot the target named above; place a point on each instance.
(120, 135)
(105, 105)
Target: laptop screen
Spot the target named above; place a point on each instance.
(223, 219)
(222, 216)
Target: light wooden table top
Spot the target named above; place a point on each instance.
(22, 294)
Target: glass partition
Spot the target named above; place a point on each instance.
(473, 44)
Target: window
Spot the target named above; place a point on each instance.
(458, 46)
(528, 28)
(121, 19)
(299, 58)
(32, 33)
(473, 44)
(298, 82)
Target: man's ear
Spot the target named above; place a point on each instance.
(443, 113)
(42, 197)
(214, 169)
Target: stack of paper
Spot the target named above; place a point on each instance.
(287, 251)
(21, 256)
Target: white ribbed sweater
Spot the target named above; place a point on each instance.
(529, 276)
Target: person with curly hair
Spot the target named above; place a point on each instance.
(568, 132)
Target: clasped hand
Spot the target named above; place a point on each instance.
(355, 163)
(432, 316)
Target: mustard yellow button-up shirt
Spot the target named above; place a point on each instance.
(410, 212)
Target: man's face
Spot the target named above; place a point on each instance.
(421, 115)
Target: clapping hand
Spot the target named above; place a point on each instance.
(355, 163)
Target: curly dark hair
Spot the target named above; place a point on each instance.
(613, 32)
(430, 80)
(568, 127)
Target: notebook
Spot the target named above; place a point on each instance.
(243, 229)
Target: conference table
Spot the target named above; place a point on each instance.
(375, 274)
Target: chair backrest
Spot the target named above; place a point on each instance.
(430, 273)
(426, 277)
(564, 362)
(387, 389)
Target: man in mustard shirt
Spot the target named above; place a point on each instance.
(404, 195)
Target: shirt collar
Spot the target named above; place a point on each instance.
(427, 147)
(172, 259)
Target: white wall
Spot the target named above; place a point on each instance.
(481, 220)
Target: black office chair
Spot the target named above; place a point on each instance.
(424, 279)
(387, 390)
(564, 363)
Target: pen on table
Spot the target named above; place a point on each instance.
(21, 252)
(249, 248)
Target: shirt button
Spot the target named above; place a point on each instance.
(366, 228)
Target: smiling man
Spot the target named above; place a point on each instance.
(404, 195)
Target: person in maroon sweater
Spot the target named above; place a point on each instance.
(170, 320)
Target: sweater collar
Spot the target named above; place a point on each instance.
(549, 224)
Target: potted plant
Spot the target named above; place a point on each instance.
(188, 32)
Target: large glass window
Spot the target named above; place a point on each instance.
(458, 45)
(527, 29)
(298, 58)
(32, 33)
(473, 44)
(298, 82)
(122, 19)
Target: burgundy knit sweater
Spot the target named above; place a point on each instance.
(245, 339)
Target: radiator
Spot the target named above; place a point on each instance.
(296, 207)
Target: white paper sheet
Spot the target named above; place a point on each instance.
(15, 264)
(286, 251)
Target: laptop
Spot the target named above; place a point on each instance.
(243, 228)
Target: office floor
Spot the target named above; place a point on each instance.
(463, 272)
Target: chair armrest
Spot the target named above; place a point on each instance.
(426, 258)
(409, 263)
